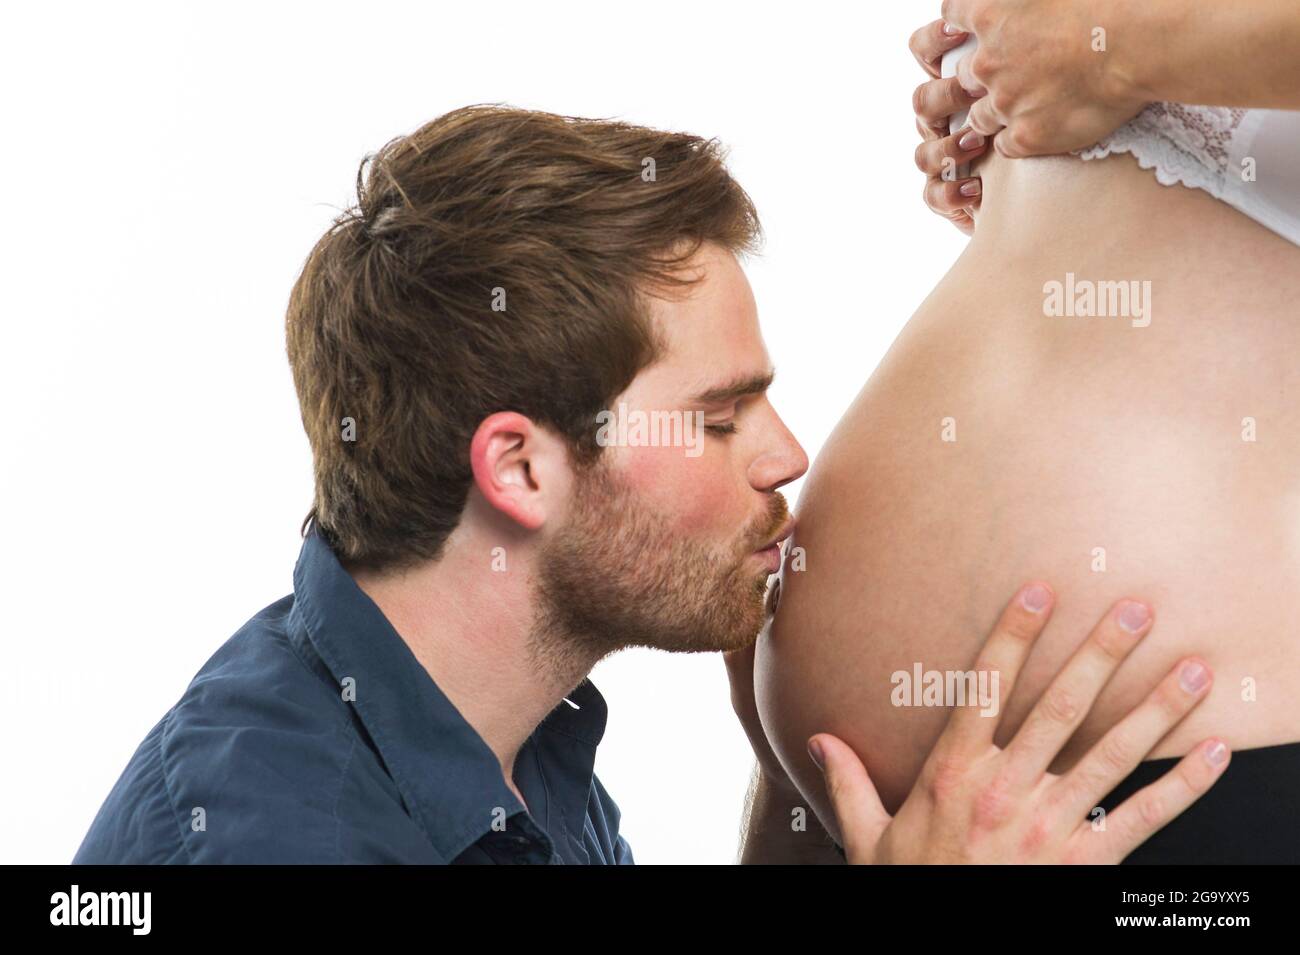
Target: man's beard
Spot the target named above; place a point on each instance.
(617, 576)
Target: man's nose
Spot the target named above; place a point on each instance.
(784, 462)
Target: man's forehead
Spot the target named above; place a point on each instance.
(704, 364)
(710, 338)
(720, 285)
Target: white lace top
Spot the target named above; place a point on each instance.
(1248, 158)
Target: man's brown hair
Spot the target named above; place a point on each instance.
(496, 259)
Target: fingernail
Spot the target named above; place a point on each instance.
(1194, 677)
(1217, 754)
(1035, 597)
(1134, 616)
(972, 140)
(815, 751)
(951, 29)
(971, 188)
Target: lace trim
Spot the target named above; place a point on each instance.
(1183, 144)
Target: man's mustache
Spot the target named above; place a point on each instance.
(778, 513)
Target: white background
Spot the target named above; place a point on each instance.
(166, 171)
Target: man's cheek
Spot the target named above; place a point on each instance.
(694, 494)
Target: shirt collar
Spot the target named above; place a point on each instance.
(447, 775)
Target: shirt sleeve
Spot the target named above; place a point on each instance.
(623, 853)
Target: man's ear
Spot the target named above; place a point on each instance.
(521, 469)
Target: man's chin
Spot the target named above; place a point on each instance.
(742, 643)
(746, 621)
(734, 628)
(703, 643)
(658, 588)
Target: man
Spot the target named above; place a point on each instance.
(477, 350)
(473, 550)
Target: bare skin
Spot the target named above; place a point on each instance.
(976, 802)
(1055, 75)
(1080, 443)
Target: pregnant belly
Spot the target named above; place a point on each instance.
(1154, 456)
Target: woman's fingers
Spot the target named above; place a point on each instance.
(965, 75)
(984, 119)
(945, 193)
(1137, 818)
(858, 810)
(969, 728)
(934, 101)
(1115, 755)
(942, 157)
(951, 199)
(1070, 695)
(931, 42)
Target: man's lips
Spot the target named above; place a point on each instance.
(770, 553)
(786, 530)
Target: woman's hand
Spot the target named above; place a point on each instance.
(1048, 74)
(974, 802)
(941, 155)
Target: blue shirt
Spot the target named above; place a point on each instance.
(313, 735)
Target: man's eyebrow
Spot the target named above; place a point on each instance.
(747, 385)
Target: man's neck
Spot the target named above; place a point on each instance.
(472, 629)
